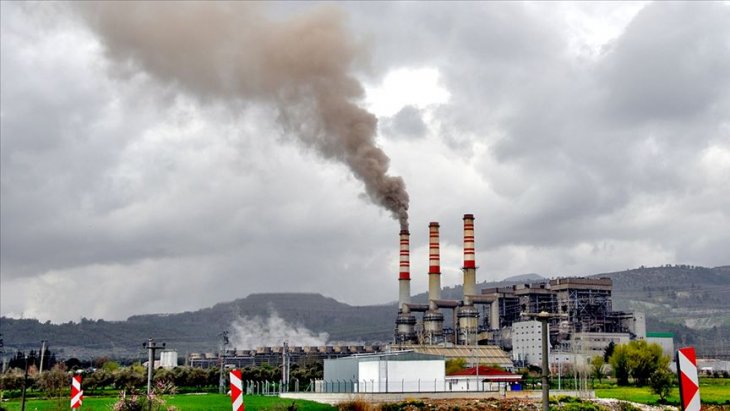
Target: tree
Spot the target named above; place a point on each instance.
(598, 368)
(98, 379)
(608, 351)
(637, 359)
(661, 382)
(454, 365)
(110, 366)
(620, 363)
(644, 359)
(54, 381)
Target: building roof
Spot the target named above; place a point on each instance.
(405, 355)
(489, 373)
(659, 335)
(489, 354)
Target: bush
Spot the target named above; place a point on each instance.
(661, 382)
(359, 404)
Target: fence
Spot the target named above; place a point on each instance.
(373, 386)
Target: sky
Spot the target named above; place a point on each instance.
(164, 157)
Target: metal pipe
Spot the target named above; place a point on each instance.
(150, 365)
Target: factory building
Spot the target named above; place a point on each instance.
(397, 371)
(275, 355)
(527, 342)
(585, 322)
(665, 340)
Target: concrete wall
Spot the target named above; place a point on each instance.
(402, 376)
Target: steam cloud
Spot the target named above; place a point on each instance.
(232, 51)
(249, 333)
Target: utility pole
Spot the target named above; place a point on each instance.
(221, 378)
(285, 367)
(25, 383)
(43, 354)
(543, 317)
(151, 347)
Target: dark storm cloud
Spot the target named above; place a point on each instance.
(671, 64)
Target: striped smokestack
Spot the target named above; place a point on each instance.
(470, 278)
(404, 276)
(434, 262)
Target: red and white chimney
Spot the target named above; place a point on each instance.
(470, 277)
(404, 276)
(434, 262)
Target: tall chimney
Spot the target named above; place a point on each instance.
(470, 277)
(434, 262)
(404, 276)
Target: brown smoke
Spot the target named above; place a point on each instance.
(232, 50)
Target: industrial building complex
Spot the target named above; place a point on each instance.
(583, 324)
(485, 327)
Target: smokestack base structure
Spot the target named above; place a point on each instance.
(433, 327)
(468, 319)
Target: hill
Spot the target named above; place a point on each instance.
(688, 301)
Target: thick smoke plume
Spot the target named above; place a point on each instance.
(250, 333)
(231, 50)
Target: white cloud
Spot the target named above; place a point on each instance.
(418, 87)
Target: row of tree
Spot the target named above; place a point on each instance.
(112, 375)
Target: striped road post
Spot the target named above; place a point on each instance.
(237, 391)
(689, 383)
(77, 394)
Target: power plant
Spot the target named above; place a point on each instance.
(465, 315)
(582, 306)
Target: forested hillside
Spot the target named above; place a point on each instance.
(688, 301)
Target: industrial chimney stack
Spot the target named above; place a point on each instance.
(433, 319)
(434, 263)
(404, 276)
(470, 268)
(405, 323)
(468, 315)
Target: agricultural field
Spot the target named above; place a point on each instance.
(712, 391)
(184, 402)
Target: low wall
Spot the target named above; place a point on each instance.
(336, 398)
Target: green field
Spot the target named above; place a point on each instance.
(712, 391)
(192, 402)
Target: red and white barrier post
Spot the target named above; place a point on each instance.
(237, 391)
(77, 394)
(689, 383)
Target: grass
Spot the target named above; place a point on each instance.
(712, 391)
(185, 402)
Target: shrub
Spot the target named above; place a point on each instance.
(360, 404)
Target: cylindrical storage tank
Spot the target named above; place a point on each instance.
(405, 332)
(468, 318)
(433, 327)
